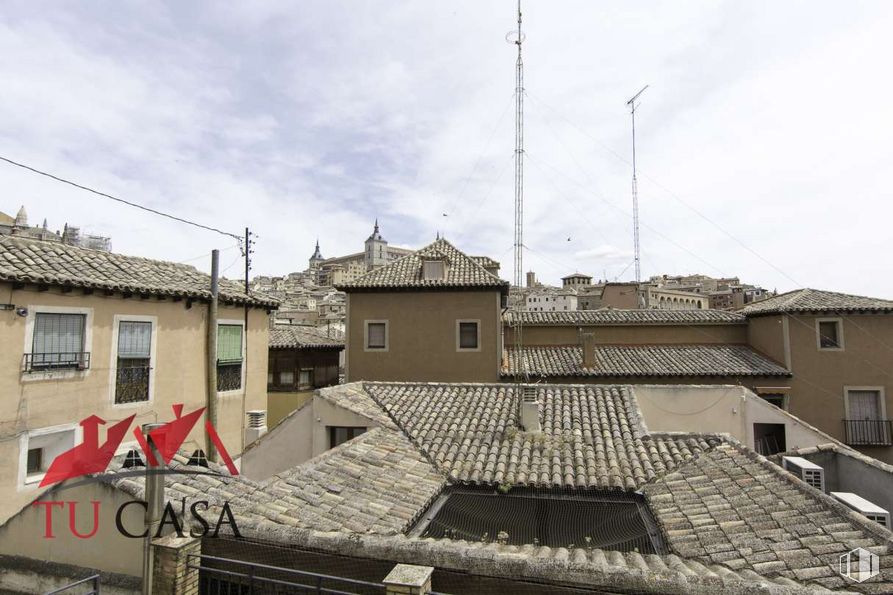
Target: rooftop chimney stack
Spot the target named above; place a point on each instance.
(588, 340)
(530, 410)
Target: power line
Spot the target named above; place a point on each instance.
(121, 200)
(671, 193)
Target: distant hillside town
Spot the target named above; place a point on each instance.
(660, 292)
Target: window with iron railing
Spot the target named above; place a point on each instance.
(869, 432)
(134, 363)
(229, 357)
(57, 343)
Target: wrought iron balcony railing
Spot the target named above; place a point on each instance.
(38, 362)
(132, 381)
(229, 375)
(869, 432)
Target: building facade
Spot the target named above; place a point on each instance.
(90, 333)
(433, 315)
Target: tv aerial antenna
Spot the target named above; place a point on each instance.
(632, 110)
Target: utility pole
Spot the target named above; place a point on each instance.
(632, 110)
(248, 252)
(211, 360)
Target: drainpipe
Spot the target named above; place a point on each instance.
(212, 355)
(154, 494)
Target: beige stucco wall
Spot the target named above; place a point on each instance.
(820, 376)
(632, 334)
(422, 336)
(720, 409)
(33, 401)
(108, 550)
(766, 334)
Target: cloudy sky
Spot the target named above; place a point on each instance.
(764, 138)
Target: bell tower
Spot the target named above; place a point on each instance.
(376, 250)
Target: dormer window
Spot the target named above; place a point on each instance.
(434, 270)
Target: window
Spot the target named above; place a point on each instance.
(830, 335)
(229, 357)
(777, 399)
(376, 335)
(468, 335)
(287, 378)
(305, 379)
(433, 270)
(58, 342)
(866, 422)
(341, 434)
(35, 461)
(39, 448)
(134, 361)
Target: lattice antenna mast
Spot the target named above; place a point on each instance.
(517, 37)
(632, 111)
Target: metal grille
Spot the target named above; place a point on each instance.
(554, 518)
(132, 380)
(33, 362)
(225, 576)
(229, 376)
(869, 432)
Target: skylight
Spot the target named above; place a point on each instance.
(618, 521)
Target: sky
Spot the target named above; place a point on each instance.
(763, 139)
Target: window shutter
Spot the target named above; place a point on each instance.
(58, 333)
(134, 340)
(229, 343)
(376, 334)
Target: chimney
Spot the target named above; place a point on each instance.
(530, 409)
(257, 425)
(588, 341)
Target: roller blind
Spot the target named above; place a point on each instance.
(134, 340)
(229, 343)
(58, 333)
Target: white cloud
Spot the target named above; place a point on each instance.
(311, 120)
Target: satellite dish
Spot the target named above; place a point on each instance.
(513, 36)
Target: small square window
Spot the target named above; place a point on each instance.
(35, 461)
(468, 335)
(829, 334)
(287, 378)
(433, 270)
(376, 335)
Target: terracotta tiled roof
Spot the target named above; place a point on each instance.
(814, 300)
(462, 271)
(376, 483)
(643, 360)
(293, 336)
(32, 261)
(613, 317)
(355, 399)
(732, 507)
(591, 435)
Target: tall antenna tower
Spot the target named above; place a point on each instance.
(632, 110)
(517, 37)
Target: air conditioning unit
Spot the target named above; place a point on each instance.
(871, 510)
(806, 470)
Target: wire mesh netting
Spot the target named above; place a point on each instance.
(555, 518)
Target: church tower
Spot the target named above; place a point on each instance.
(376, 250)
(316, 258)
